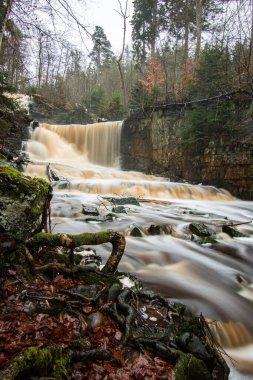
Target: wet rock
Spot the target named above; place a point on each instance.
(84, 255)
(157, 230)
(203, 240)
(23, 203)
(125, 201)
(87, 210)
(99, 219)
(191, 343)
(35, 124)
(62, 184)
(95, 320)
(136, 232)
(91, 261)
(119, 210)
(232, 232)
(200, 229)
(83, 249)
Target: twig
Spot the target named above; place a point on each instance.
(238, 224)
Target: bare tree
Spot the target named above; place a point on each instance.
(124, 14)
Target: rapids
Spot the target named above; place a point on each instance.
(214, 280)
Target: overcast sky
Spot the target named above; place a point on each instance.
(102, 13)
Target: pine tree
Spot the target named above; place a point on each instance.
(147, 23)
(101, 54)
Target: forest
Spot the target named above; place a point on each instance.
(180, 50)
(178, 306)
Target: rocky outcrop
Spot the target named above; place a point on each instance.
(150, 143)
(23, 203)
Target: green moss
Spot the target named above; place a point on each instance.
(90, 238)
(48, 361)
(191, 326)
(23, 202)
(190, 368)
(50, 240)
(16, 181)
(54, 240)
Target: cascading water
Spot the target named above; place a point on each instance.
(216, 280)
(100, 144)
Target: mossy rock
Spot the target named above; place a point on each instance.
(190, 368)
(232, 232)
(200, 229)
(23, 201)
(39, 362)
(136, 232)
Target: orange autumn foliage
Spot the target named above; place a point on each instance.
(155, 76)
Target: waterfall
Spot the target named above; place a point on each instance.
(87, 149)
(100, 142)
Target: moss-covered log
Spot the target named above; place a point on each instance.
(71, 241)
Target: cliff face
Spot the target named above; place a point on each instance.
(150, 143)
(13, 123)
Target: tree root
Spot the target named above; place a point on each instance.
(71, 241)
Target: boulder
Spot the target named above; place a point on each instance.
(200, 229)
(157, 230)
(119, 210)
(90, 210)
(23, 203)
(232, 232)
(136, 232)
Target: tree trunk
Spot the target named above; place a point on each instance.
(154, 31)
(199, 24)
(4, 16)
(251, 42)
(186, 32)
(123, 14)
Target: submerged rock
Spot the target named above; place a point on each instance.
(89, 210)
(119, 210)
(232, 232)
(23, 203)
(125, 201)
(157, 230)
(200, 229)
(99, 218)
(136, 232)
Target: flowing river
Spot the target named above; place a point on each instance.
(213, 279)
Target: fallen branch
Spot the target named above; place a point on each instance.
(226, 95)
(71, 241)
(52, 176)
(238, 224)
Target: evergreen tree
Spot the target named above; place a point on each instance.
(179, 19)
(101, 54)
(147, 22)
(213, 76)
